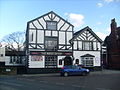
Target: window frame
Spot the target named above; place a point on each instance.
(87, 61)
(47, 26)
(60, 61)
(54, 39)
(87, 43)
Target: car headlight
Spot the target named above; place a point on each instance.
(87, 70)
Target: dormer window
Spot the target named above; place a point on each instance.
(51, 25)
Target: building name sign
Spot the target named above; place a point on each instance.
(50, 53)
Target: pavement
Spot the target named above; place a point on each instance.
(104, 71)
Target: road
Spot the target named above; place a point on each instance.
(94, 81)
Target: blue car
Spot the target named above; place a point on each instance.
(73, 70)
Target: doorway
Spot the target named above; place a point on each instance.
(67, 61)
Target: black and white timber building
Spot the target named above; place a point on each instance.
(47, 42)
(87, 48)
(51, 43)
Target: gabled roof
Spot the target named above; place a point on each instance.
(51, 12)
(76, 34)
(88, 55)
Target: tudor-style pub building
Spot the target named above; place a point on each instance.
(87, 48)
(52, 44)
(47, 42)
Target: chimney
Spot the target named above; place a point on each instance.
(113, 26)
(113, 35)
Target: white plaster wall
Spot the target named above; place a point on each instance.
(42, 22)
(31, 25)
(47, 33)
(69, 47)
(60, 57)
(65, 26)
(56, 19)
(32, 46)
(34, 36)
(78, 54)
(69, 36)
(75, 45)
(38, 26)
(70, 29)
(60, 24)
(99, 46)
(95, 39)
(40, 36)
(46, 17)
(2, 51)
(80, 45)
(49, 15)
(53, 15)
(36, 64)
(61, 37)
(7, 60)
(42, 46)
(94, 45)
(54, 33)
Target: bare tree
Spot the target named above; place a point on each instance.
(14, 41)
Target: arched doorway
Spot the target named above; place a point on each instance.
(67, 61)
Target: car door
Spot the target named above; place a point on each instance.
(72, 70)
(75, 70)
(78, 70)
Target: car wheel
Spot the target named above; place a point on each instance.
(65, 74)
(84, 73)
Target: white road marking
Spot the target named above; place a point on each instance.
(102, 89)
(78, 86)
(25, 79)
(13, 84)
(43, 81)
(59, 83)
(29, 79)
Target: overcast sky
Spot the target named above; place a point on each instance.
(97, 14)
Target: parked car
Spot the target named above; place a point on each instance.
(73, 70)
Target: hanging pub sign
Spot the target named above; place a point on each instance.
(50, 53)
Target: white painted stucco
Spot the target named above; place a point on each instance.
(2, 54)
(60, 57)
(36, 64)
(40, 36)
(78, 54)
(61, 37)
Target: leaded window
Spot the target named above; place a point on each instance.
(50, 61)
(87, 45)
(52, 25)
(87, 61)
(17, 59)
(60, 62)
(51, 43)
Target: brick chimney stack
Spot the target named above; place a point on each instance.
(113, 35)
(113, 26)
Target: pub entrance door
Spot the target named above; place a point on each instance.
(67, 61)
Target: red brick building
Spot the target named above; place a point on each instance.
(112, 43)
